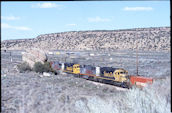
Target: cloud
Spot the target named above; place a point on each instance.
(10, 18)
(98, 19)
(45, 5)
(7, 26)
(138, 9)
(70, 24)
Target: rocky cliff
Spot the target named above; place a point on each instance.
(153, 39)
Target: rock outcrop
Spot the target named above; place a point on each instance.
(34, 55)
(153, 39)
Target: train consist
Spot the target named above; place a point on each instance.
(109, 75)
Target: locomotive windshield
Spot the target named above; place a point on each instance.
(123, 72)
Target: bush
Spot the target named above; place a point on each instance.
(39, 67)
(153, 99)
(47, 67)
(24, 67)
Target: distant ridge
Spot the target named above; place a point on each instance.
(153, 39)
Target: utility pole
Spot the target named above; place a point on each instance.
(11, 56)
(137, 58)
(137, 55)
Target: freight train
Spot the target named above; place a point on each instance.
(115, 76)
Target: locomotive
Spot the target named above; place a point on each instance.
(109, 75)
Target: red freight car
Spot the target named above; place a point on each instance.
(140, 81)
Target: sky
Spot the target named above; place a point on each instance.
(21, 20)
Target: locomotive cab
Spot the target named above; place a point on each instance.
(76, 68)
(121, 75)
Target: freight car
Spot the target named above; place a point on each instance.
(109, 75)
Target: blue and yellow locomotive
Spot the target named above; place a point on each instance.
(115, 76)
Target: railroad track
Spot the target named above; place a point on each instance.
(9, 62)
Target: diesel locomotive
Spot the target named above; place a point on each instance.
(109, 75)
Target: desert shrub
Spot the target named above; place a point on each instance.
(47, 67)
(39, 67)
(24, 67)
(152, 99)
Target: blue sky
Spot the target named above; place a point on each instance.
(21, 20)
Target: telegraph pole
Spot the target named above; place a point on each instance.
(137, 55)
(11, 56)
(137, 58)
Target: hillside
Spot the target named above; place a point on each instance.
(153, 39)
